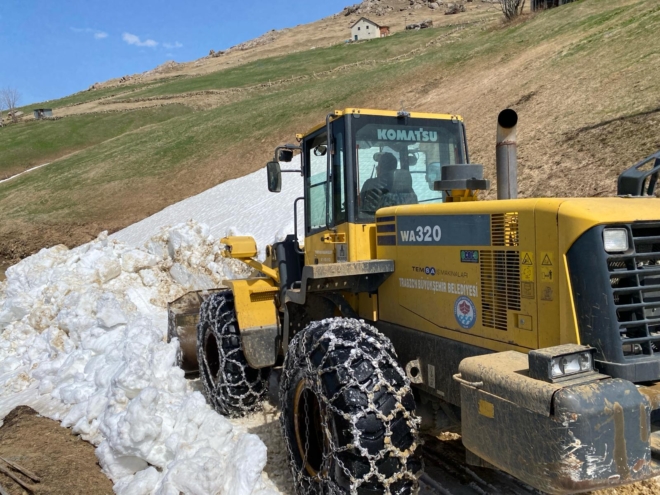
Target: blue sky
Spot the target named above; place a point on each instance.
(52, 48)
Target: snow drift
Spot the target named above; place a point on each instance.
(83, 341)
(244, 203)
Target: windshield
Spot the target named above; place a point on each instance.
(398, 164)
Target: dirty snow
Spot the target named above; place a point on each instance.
(83, 341)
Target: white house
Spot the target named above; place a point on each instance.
(364, 29)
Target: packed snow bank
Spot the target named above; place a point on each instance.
(83, 341)
(242, 206)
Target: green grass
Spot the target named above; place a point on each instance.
(31, 143)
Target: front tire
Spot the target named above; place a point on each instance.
(348, 412)
(230, 385)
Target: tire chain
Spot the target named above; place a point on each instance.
(238, 389)
(367, 344)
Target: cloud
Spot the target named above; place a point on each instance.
(173, 45)
(98, 35)
(131, 39)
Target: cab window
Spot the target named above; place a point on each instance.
(316, 179)
(317, 183)
(398, 164)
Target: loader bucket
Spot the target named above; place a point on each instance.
(182, 317)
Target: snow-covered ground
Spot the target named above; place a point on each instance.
(240, 206)
(83, 341)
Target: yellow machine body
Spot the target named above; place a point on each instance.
(518, 281)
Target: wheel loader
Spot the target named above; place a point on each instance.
(532, 326)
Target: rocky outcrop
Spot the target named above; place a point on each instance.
(382, 7)
(368, 7)
(264, 39)
(454, 8)
(420, 25)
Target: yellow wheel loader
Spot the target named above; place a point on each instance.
(532, 326)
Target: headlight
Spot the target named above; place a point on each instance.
(555, 363)
(615, 240)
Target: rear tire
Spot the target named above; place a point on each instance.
(230, 385)
(348, 412)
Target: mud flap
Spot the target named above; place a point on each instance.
(559, 439)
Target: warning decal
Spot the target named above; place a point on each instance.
(547, 267)
(527, 266)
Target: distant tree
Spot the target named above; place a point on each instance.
(10, 98)
(512, 8)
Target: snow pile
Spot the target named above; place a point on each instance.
(243, 202)
(83, 341)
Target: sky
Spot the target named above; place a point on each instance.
(53, 48)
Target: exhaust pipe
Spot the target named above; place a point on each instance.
(507, 155)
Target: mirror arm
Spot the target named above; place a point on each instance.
(328, 183)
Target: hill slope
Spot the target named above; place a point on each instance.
(583, 78)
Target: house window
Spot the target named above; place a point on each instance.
(367, 27)
(358, 28)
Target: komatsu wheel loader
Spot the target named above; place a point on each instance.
(531, 324)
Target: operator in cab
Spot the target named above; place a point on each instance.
(390, 187)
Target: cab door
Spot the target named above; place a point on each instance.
(326, 228)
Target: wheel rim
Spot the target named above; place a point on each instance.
(308, 426)
(212, 356)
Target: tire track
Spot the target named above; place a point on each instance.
(447, 473)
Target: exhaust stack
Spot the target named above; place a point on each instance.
(507, 155)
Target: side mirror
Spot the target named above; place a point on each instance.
(286, 156)
(274, 176)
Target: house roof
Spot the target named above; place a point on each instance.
(368, 20)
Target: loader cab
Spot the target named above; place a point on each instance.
(373, 159)
(360, 161)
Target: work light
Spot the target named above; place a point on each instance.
(571, 364)
(615, 240)
(555, 363)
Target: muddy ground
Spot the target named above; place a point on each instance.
(64, 462)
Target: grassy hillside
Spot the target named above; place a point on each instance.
(32, 143)
(583, 77)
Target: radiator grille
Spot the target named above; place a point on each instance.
(635, 280)
(500, 287)
(504, 229)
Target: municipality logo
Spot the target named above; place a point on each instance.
(465, 312)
